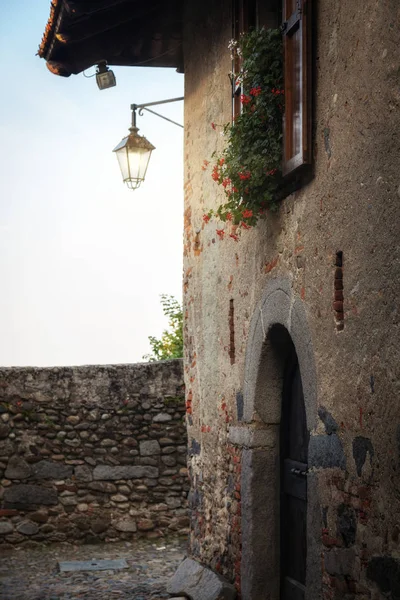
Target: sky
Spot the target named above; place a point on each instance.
(83, 259)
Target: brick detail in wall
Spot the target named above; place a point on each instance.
(231, 332)
(339, 292)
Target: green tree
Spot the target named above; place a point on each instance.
(170, 345)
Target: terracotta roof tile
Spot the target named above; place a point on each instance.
(49, 29)
(121, 32)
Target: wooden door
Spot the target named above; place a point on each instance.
(294, 454)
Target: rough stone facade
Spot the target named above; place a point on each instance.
(285, 272)
(92, 453)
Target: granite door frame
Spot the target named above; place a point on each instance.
(258, 436)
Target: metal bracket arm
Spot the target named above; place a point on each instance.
(142, 107)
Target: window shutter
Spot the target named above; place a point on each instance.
(297, 118)
(244, 17)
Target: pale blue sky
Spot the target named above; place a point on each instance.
(83, 259)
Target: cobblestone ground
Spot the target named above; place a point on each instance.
(27, 574)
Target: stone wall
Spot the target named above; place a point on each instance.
(350, 209)
(92, 453)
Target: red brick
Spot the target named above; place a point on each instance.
(8, 512)
(271, 265)
(338, 284)
(329, 541)
(364, 492)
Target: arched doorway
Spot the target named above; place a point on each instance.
(279, 386)
(293, 449)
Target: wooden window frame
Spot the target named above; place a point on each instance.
(297, 21)
(244, 17)
(296, 16)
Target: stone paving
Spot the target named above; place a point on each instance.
(33, 574)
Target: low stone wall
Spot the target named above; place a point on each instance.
(92, 453)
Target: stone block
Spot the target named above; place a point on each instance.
(103, 486)
(15, 538)
(17, 468)
(46, 469)
(162, 418)
(199, 583)
(100, 524)
(39, 516)
(145, 525)
(83, 473)
(340, 561)
(173, 502)
(326, 451)
(5, 527)
(254, 438)
(106, 473)
(73, 419)
(29, 495)
(27, 528)
(6, 448)
(119, 498)
(149, 448)
(4, 430)
(126, 526)
(329, 422)
(169, 460)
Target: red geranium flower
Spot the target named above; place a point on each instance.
(234, 236)
(256, 91)
(247, 214)
(220, 233)
(245, 99)
(215, 174)
(206, 218)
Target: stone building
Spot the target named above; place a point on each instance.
(292, 333)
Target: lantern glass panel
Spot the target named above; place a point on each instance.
(133, 154)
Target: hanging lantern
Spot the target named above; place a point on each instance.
(133, 153)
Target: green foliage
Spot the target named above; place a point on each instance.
(170, 345)
(249, 168)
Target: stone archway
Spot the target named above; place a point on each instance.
(258, 436)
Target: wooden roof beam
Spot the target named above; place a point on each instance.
(80, 29)
(77, 8)
(131, 43)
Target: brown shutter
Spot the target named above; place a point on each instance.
(244, 17)
(297, 119)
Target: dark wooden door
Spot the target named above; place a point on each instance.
(294, 454)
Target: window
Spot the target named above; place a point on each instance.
(297, 119)
(294, 16)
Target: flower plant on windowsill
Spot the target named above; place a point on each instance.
(249, 167)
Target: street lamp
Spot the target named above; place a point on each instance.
(134, 151)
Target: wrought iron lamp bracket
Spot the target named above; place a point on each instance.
(142, 107)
